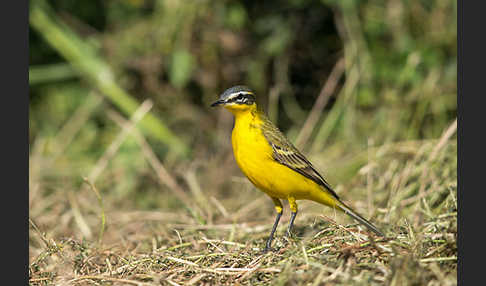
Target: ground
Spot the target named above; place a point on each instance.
(408, 189)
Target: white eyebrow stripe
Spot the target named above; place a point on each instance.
(235, 94)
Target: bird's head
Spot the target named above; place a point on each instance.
(237, 99)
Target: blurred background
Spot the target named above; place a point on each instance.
(359, 86)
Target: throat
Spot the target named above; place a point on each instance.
(239, 110)
(246, 119)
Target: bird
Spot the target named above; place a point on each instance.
(273, 164)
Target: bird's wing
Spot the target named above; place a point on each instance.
(287, 154)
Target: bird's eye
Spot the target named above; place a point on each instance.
(240, 97)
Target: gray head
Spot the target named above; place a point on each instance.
(236, 95)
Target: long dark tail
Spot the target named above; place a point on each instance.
(347, 210)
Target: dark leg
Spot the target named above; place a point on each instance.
(289, 229)
(293, 208)
(270, 238)
(279, 209)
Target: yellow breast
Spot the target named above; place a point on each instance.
(253, 155)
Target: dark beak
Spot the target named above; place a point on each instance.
(219, 102)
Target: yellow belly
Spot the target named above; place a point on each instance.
(253, 155)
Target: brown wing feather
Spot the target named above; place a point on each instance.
(286, 154)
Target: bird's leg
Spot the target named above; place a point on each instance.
(279, 209)
(294, 210)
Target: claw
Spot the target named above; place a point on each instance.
(268, 249)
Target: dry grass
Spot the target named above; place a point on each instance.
(407, 188)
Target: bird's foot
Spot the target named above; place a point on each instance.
(288, 234)
(290, 239)
(268, 249)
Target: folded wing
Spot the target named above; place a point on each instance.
(286, 154)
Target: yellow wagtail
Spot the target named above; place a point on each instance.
(273, 164)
